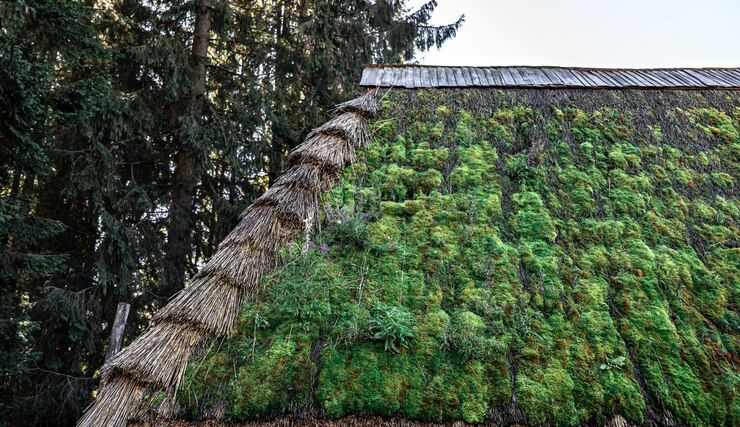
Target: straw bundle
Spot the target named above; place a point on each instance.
(156, 361)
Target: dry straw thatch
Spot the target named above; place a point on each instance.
(208, 308)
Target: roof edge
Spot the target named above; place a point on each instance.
(413, 76)
(565, 67)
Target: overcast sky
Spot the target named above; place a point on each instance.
(590, 33)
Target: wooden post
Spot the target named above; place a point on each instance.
(119, 326)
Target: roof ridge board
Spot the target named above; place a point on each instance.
(545, 77)
(599, 82)
(720, 76)
(552, 67)
(412, 80)
(429, 74)
(617, 78)
(554, 77)
(467, 76)
(479, 76)
(735, 74)
(649, 78)
(434, 77)
(393, 77)
(474, 77)
(631, 79)
(452, 77)
(607, 77)
(695, 81)
(677, 76)
(580, 77)
(729, 75)
(667, 79)
(706, 81)
(429, 77)
(518, 76)
(664, 79)
(459, 78)
(507, 77)
(442, 77)
(535, 78)
(385, 77)
(570, 77)
(489, 77)
(542, 76)
(407, 78)
(687, 78)
(368, 76)
(656, 77)
(528, 75)
(495, 77)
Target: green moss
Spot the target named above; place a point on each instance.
(548, 395)
(424, 157)
(477, 165)
(571, 258)
(428, 180)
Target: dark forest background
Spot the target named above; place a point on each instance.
(132, 134)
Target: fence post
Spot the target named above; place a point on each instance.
(119, 326)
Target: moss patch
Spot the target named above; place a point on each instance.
(568, 255)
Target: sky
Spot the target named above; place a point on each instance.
(590, 33)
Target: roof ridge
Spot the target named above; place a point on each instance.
(564, 67)
(413, 76)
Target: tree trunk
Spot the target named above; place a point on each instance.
(119, 327)
(181, 212)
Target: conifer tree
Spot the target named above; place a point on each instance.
(133, 134)
(45, 329)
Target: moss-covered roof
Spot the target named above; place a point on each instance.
(517, 256)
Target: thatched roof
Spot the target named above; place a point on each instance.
(506, 256)
(154, 363)
(556, 254)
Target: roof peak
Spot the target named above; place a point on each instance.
(565, 67)
(429, 76)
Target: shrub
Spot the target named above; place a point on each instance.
(392, 325)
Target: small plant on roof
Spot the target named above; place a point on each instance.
(393, 325)
(617, 362)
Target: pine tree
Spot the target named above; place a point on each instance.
(127, 135)
(22, 111)
(35, 38)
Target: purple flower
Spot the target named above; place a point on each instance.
(312, 245)
(324, 248)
